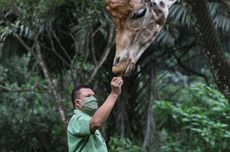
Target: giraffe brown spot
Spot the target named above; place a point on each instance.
(151, 27)
(155, 33)
(161, 20)
(146, 33)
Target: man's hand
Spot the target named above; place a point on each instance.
(116, 84)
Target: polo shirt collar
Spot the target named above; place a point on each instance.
(77, 111)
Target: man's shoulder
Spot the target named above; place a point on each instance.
(78, 115)
(79, 124)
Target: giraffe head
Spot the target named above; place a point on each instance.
(137, 24)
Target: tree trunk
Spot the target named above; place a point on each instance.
(220, 67)
(121, 120)
(36, 52)
(55, 93)
(150, 124)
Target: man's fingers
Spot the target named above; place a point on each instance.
(116, 79)
(121, 82)
(118, 83)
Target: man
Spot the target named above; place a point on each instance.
(82, 133)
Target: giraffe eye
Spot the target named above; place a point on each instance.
(138, 14)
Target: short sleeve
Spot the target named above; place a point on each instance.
(80, 125)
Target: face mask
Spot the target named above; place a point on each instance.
(89, 105)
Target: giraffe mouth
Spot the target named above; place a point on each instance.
(124, 68)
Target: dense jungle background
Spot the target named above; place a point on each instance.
(173, 102)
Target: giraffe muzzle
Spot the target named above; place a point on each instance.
(125, 68)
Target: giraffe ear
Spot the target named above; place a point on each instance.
(171, 2)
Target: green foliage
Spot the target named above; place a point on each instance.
(28, 116)
(122, 144)
(27, 17)
(4, 4)
(190, 117)
(221, 19)
(198, 121)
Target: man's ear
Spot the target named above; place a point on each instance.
(171, 2)
(77, 103)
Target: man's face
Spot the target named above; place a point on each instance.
(83, 92)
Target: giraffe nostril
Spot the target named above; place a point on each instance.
(117, 60)
(162, 4)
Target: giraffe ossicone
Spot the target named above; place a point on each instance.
(137, 23)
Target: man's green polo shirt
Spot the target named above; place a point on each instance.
(80, 139)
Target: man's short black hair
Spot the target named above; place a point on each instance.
(75, 92)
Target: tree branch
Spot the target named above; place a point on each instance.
(57, 39)
(5, 89)
(54, 50)
(103, 58)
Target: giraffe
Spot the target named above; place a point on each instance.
(137, 23)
